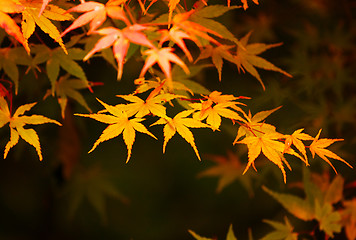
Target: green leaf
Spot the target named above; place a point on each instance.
(312, 191)
(94, 185)
(10, 58)
(68, 88)
(335, 191)
(56, 59)
(282, 231)
(52, 68)
(329, 220)
(192, 87)
(300, 208)
(216, 26)
(213, 11)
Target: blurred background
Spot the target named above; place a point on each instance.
(75, 195)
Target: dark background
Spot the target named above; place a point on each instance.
(158, 196)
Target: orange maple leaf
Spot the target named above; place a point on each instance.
(181, 124)
(7, 23)
(120, 40)
(247, 59)
(177, 36)
(318, 147)
(118, 123)
(31, 17)
(217, 55)
(194, 30)
(96, 13)
(229, 169)
(163, 57)
(17, 122)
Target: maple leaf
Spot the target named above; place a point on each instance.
(120, 40)
(153, 104)
(281, 232)
(316, 204)
(181, 124)
(17, 123)
(193, 29)
(65, 88)
(10, 58)
(255, 126)
(217, 55)
(295, 139)
(318, 147)
(56, 59)
(7, 23)
(267, 145)
(329, 220)
(118, 123)
(96, 13)
(228, 169)
(163, 57)
(172, 5)
(215, 106)
(247, 59)
(177, 36)
(203, 17)
(300, 208)
(44, 5)
(31, 17)
(93, 184)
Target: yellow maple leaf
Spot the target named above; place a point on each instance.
(153, 104)
(217, 105)
(33, 14)
(295, 139)
(318, 147)
(273, 149)
(118, 123)
(17, 122)
(181, 124)
(255, 126)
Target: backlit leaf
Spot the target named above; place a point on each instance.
(318, 147)
(96, 13)
(297, 206)
(181, 124)
(118, 123)
(247, 58)
(228, 169)
(17, 122)
(281, 232)
(31, 17)
(329, 220)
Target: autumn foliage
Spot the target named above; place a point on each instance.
(172, 47)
